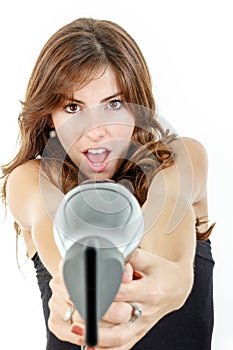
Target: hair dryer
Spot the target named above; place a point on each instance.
(96, 227)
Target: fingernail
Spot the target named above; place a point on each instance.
(126, 275)
(76, 329)
(136, 275)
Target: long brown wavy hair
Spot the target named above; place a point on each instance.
(73, 56)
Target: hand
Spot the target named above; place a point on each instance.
(59, 303)
(163, 287)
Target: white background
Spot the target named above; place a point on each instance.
(188, 47)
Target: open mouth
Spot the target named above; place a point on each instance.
(97, 158)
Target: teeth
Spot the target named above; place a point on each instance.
(96, 151)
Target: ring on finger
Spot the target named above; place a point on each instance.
(69, 313)
(136, 312)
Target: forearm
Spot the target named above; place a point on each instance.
(42, 234)
(170, 233)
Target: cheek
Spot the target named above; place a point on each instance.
(122, 131)
(57, 119)
(69, 131)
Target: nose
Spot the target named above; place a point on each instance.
(96, 123)
(96, 133)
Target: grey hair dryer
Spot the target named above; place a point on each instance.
(96, 227)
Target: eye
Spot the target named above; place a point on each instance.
(115, 104)
(72, 108)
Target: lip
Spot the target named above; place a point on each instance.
(99, 166)
(95, 147)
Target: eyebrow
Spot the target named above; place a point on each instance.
(102, 101)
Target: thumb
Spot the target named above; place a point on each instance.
(141, 261)
(127, 273)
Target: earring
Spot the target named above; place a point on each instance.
(52, 133)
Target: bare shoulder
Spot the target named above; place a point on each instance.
(30, 195)
(187, 177)
(192, 162)
(23, 175)
(194, 149)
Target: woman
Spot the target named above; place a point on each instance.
(89, 113)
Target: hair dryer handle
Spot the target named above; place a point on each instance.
(92, 272)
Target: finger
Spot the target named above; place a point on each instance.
(58, 307)
(127, 273)
(63, 331)
(136, 290)
(142, 260)
(117, 336)
(118, 312)
(121, 336)
(139, 289)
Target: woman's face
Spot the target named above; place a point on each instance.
(95, 128)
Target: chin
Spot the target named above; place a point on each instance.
(103, 176)
(96, 176)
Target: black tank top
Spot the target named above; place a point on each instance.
(189, 328)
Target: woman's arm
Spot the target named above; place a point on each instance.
(169, 210)
(33, 201)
